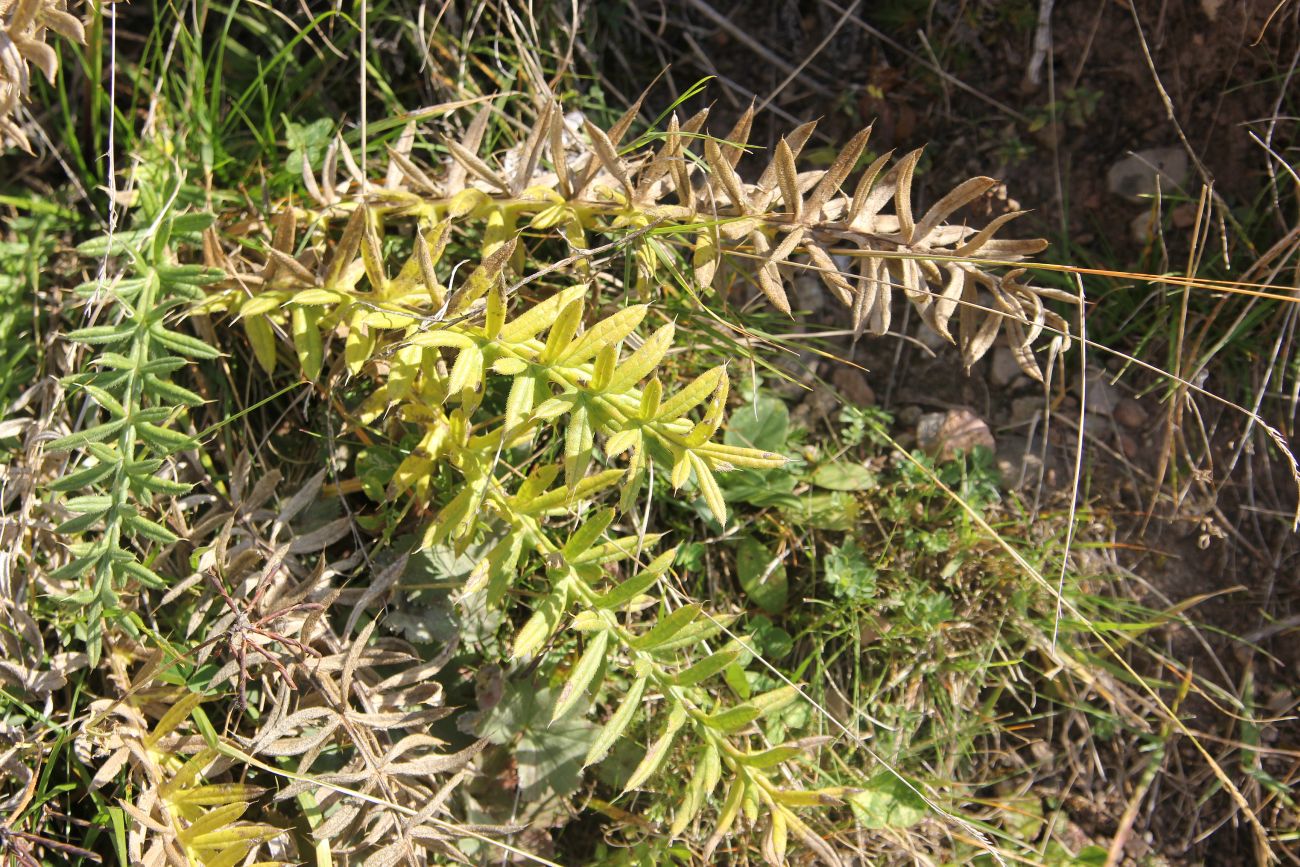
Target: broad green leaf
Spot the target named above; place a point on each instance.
(709, 488)
(732, 719)
(886, 801)
(637, 584)
(604, 333)
(762, 575)
(762, 425)
(534, 633)
(692, 395)
(843, 476)
(586, 535)
(262, 339)
(89, 435)
(707, 667)
(183, 343)
(549, 754)
(101, 334)
(617, 723)
(581, 677)
(657, 751)
(665, 629)
(165, 440)
(541, 316)
(83, 478)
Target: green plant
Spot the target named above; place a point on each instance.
(124, 457)
(512, 421)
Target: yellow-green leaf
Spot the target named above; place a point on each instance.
(583, 673)
(617, 724)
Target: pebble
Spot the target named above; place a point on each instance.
(943, 434)
(1018, 466)
(932, 340)
(1143, 227)
(1003, 368)
(854, 386)
(1101, 396)
(1134, 176)
(1130, 413)
(1026, 409)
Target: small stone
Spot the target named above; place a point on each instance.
(1026, 409)
(1134, 176)
(1144, 226)
(932, 340)
(1183, 216)
(909, 415)
(1101, 397)
(1003, 367)
(1130, 413)
(928, 427)
(1128, 446)
(1017, 465)
(943, 435)
(820, 403)
(854, 386)
(810, 295)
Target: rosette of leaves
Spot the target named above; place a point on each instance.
(24, 25)
(863, 239)
(122, 455)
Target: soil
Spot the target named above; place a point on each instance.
(1223, 68)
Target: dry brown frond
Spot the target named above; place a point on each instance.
(24, 25)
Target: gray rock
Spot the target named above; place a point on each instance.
(932, 340)
(1101, 396)
(943, 434)
(1018, 465)
(854, 386)
(1026, 409)
(1134, 176)
(1003, 368)
(1143, 227)
(1130, 413)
